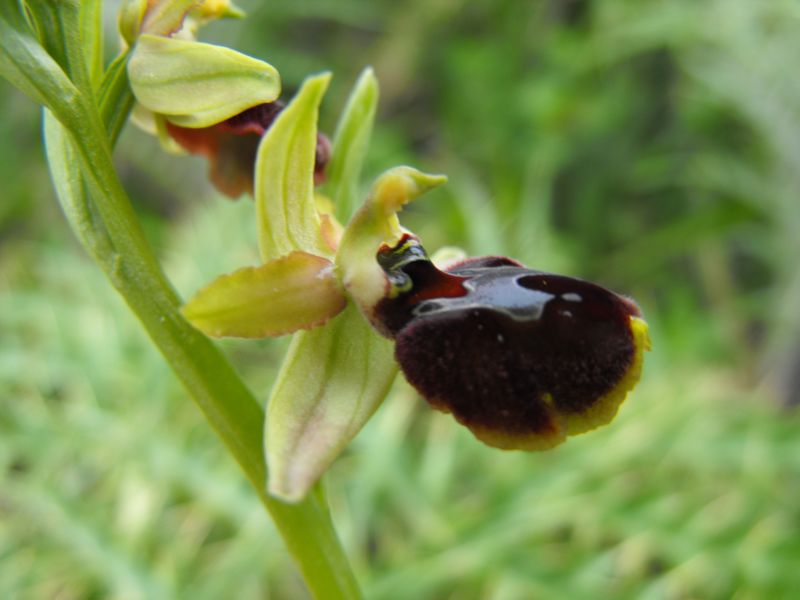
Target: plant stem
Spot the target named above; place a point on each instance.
(107, 226)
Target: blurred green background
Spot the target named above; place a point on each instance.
(651, 146)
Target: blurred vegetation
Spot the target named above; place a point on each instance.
(651, 146)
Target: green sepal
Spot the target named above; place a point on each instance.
(297, 291)
(350, 143)
(332, 381)
(376, 224)
(155, 125)
(195, 84)
(286, 212)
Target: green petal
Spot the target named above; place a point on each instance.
(350, 144)
(298, 291)
(198, 85)
(332, 380)
(375, 224)
(284, 184)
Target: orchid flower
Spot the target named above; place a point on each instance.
(522, 358)
(202, 98)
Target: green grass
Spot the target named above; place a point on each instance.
(651, 146)
(114, 485)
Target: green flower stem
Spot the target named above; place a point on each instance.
(106, 224)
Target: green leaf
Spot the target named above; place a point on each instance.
(63, 29)
(298, 291)
(195, 84)
(116, 98)
(375, 224)
(50, 20)
(286, 213)
(31, 69)
(350, 143)
(72, 191)
(332, 380)
(227, 403)
(92, 34)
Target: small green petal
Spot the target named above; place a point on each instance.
(332, 380)
(375, 224)
(298, 291)
(198, 85)
(350, 144)
(286, 213)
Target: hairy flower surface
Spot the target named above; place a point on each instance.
(522, 358)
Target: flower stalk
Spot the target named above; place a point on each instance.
(81, 126)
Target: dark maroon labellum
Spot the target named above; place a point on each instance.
(517, 355)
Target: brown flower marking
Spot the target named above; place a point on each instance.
(231, 147)
(522, 358)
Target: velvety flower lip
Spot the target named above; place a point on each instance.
(522, 358)
(231, 147)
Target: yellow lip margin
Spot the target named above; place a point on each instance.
(601, 412)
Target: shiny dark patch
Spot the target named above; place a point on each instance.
(502, 347)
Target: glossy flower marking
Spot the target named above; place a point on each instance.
(522, 358)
